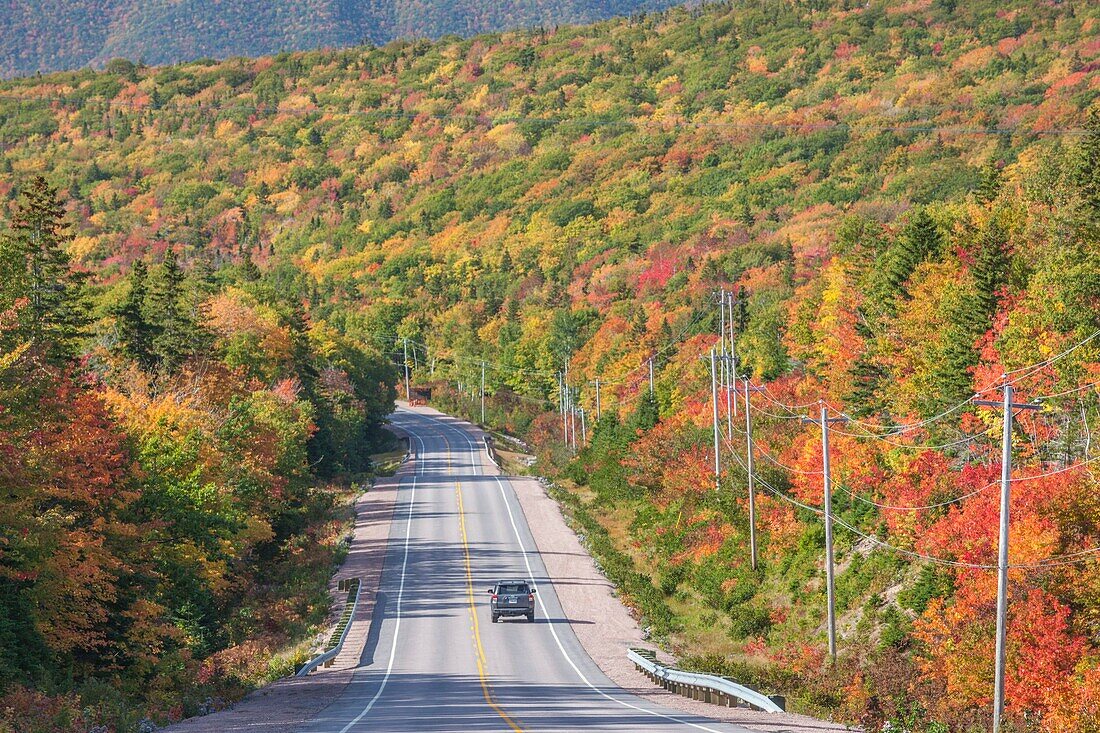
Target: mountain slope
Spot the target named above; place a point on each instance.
(66, 34)
(905, 197)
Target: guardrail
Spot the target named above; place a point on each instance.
(490, 451)
(705, 687)
(340, 633)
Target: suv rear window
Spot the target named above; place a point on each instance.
(512, 588)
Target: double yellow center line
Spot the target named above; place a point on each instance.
(486, 691)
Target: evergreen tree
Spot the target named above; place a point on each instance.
(647, 414)
(990, 271)
(35, 269)
(920, 240)
(953, 374)
(135, 333)
(175, 338)
(249, 271)
(741, 311)
(1087, 173)
(990, 184)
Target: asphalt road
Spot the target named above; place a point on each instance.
(433, 660)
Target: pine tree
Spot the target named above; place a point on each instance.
(741, 312)
(35, 268)
(135, 333)
(990, 270)
(249, 271)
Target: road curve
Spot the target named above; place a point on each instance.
(433, 660)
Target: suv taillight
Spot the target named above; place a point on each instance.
(494, 596)
(531, 598)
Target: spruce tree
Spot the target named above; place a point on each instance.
(174, 341)
(135, 333)
(36, 271)
(990, 184)
(647, 414)
(990, 270)
(919, 241)
(1087, 172)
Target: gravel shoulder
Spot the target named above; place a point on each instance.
(285, 705)
(606, 628)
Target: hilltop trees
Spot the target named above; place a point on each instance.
(35, 270)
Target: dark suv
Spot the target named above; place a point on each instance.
(512, 598)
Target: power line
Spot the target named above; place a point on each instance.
(1052, 561)
(1043, 364)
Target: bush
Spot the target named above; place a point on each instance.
(747, 620)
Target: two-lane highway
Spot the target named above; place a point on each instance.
(434, 661)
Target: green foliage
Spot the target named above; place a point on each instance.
(135, 333)
(34, 268)
(932, 582)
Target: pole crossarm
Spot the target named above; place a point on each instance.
(1013, 406)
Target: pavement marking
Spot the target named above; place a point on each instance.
(523, 551)
(481, 663)
(400, 594)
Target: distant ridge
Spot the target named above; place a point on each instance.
(53, 35)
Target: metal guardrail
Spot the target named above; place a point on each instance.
(339, 634)
(705, 687)
(490, 451)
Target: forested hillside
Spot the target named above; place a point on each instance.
(904, 199)
(68, 34)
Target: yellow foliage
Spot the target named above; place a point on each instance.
(224, 129)
(83, 246)
(286, 202)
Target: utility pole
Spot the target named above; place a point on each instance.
(562, 405)
(584, 430)
(733, 348)
(573, 421)
(405, 343)
(750, 463)
(482, 392)
(714, 404)
(723, 374)
(830, 582)
(651, 375)
(1007, 405)
(599, 410)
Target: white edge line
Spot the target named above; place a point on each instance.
(400, 594)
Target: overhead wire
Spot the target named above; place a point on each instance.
(1052, 561)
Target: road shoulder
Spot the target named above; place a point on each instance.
(285, 705)
(607, 629)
